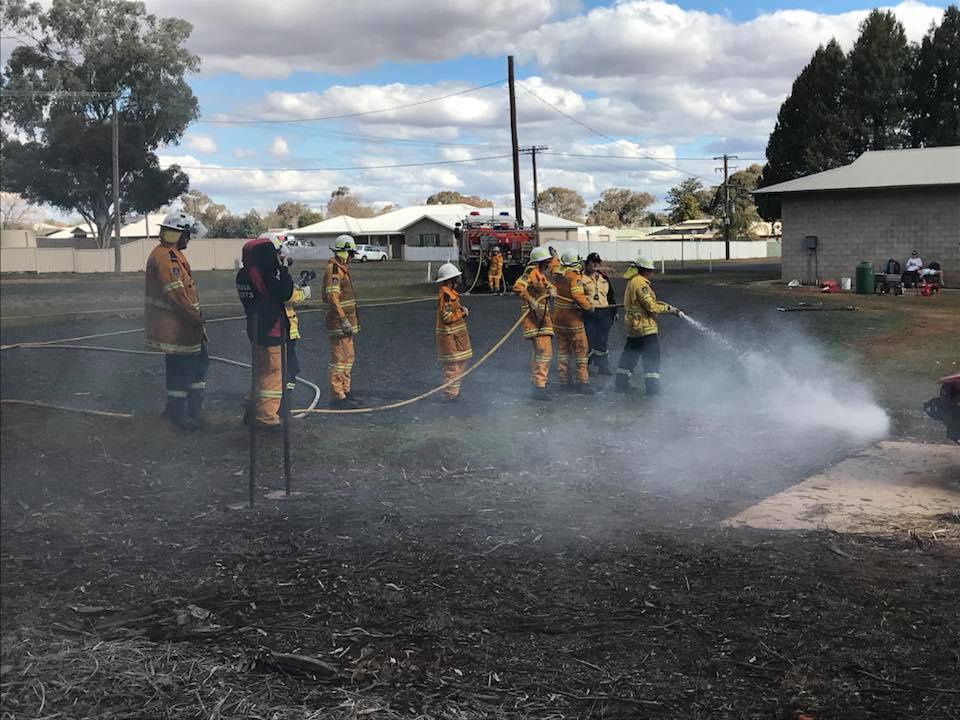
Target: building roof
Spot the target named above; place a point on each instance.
(70, 232)
(882, 169)
(139, 228)
(395, 222)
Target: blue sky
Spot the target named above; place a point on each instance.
(670, 83)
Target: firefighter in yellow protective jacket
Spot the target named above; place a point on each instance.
(173, 323)
(495, 271)
(535, 290)
(569, 308)
(453, 340)
(640, 311)
(342, 322)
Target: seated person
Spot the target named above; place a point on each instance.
(932, 274)
(892, 267)
(911, 273)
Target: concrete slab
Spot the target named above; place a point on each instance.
(890, 487)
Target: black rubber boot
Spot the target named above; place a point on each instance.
(344, 404)
(353, 397)
(195, 406)
(652, 386)
(603, 363)
(541, 394)
(585, 389)
(622, 383)
(176, 413)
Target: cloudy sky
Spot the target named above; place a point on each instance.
(655, 89)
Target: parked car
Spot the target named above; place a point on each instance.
(371, 252)
(295, 242)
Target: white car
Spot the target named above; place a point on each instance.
(370, 252)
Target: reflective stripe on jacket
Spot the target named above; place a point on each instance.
(641, 306)
(453, 340)
(533, 287)
(298, 297)
(339, 297)
(571, 301)
(172, 320)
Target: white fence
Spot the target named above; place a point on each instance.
(624, 251)
(214, 254)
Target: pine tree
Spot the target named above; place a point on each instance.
(935, 85)
(809, 135)
(876, 90)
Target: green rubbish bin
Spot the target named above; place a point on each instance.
(865, 278)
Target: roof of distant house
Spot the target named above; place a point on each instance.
(396, 221)
(139, 228)
(882, 169)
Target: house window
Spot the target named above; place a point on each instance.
(429, 239)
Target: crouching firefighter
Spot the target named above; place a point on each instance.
(640, 311)
(264, 286)
(535, 290)
(173, 323)
(342, 322)
(453, 340)
(571, 307)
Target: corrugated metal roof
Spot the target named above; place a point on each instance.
(396, 221)
(882, 169)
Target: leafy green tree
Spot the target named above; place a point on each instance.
(809, 135)
(620, 207)
(682, 201)
(343, 201)
(60, 153)
(309, 218)
(249, 225)
(202, 207)
(875, 97)
(562, 202)
(934, 95)
(452, 197)
(743, 211)
(289, 213)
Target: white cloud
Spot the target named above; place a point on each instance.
(242, 152)
(202, 143)
(341, 36)
(279, 147)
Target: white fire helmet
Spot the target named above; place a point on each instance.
(644, 263)
(181, 221)
(448, 271)
(495, 248)
(538, 255)
(570, 258)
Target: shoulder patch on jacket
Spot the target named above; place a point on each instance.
(173, 256)
(175, 271)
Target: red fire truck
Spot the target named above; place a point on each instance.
(479, 233)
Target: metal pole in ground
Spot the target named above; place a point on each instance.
(252, 412)
(115, 122)
(285, 410)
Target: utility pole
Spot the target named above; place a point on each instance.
(518, 207)
(116, 186)
(726, 201)
(532, 152)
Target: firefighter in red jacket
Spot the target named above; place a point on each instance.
(173, 323)
(265, 286)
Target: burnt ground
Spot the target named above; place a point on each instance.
(488, 559)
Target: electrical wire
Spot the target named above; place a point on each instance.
(343, 116)
(607, 137)
(232, 168)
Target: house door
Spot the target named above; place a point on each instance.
(396, 247)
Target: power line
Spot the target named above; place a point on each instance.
(234, 168)
(614, 141)
(637, 157)
(349, 115)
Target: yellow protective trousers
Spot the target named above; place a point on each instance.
(340, 366)
(453, 371)
(573, 345)
(269, 384)
(540, 362)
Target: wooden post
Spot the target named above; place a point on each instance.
(515, 143)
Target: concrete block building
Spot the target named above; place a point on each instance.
(883, 205)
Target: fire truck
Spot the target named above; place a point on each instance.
(478, 234)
